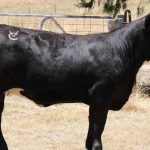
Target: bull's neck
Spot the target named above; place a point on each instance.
(130, 45)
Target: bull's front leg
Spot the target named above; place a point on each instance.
(3, 145)
(97, 119)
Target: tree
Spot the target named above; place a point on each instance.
(110, 6)
(140, 9)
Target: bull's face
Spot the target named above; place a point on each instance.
(146, 32)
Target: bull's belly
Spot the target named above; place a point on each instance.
(48, 97)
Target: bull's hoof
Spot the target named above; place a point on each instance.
(97, 146)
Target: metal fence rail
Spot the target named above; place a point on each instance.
(58, 23)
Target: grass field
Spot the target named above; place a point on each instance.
(64, 127)
(40, 6)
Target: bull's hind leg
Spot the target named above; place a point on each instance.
(97, 120)
(3, 145)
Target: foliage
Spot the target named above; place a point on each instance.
(140, 9)
(109, 6)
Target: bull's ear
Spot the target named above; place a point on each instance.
(147, 23)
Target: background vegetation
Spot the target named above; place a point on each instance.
(62, 7)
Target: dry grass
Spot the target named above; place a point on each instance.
(64, 127)
(29, 127)
(129, 130)
(59, 7)
(40, 6)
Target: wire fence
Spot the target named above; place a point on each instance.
(30, 13)
(58, 23)
(76, 24)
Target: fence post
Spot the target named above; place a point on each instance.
(127, 16)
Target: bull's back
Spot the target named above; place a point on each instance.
(44, 61)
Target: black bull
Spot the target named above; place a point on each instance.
(98, 70)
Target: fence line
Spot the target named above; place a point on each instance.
(58, 23)
(55, 16)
